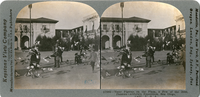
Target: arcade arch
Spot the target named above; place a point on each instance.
(105, 43)
(116, 41)
(24, 42)
(16, 42)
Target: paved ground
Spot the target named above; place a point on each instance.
(160, 76)
(69, 76)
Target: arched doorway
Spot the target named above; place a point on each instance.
(105, 42)
(116, 41)
(16, 42)
(24, 42)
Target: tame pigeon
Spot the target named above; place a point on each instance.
(47, 57)
(139, 57)
(110, 58)
(107, 74)
(45, 60)
(23, 61)
(17, 74)
(103, 58)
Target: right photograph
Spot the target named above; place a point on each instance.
(142, 46)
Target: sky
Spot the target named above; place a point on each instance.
(161, 15)
(70, 14)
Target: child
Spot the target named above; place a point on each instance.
(34, 61)
(169, 59)
(92, 58)
(78, 58)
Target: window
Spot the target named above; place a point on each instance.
(25, 28)
(157, 33)
(117, 27)
(104, 27)
(45, 29)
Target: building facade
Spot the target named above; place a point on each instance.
(39, 26)
(67, 33)
(115, 32)
(162, 34)
(180, 25)
(89, 29)
(91, 25)
(75, 38)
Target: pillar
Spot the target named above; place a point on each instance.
(19, 43)
(111, 41)
(121, 40)
(126, 39)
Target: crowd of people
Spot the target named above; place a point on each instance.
(176, 56)
(35, 57)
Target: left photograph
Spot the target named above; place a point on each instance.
(57, 46)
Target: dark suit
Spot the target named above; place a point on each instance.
(126, 58)
(57, 54)
(149, 54)
(35, 56)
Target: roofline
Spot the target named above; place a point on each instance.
(62, 29)
(114, 19)
(34, 20)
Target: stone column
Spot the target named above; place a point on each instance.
(32, 39)
(19, 43)
(121, 44)
(111, 41)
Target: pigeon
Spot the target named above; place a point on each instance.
(137, 60)
(45, 60)
(141, 69)
(134, 68)
(107, 74)
(47, 57)
(50, 69)
(110, 58)
(103, 58)
(17, 74)
(138, 57)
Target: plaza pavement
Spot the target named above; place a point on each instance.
(71, 76)
(159, 76)
(68, 76)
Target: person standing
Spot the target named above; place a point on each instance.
(92, 58)
(62, 45)
(148, 53)
(57, 54)
(152, 53)
(126, 57)
(183, 57)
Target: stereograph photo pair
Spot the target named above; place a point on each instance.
(132, 45)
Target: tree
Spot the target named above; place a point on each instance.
(46, 43)
(137, 43)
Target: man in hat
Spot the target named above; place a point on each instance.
(34, 59)
(92, 58)
(35, 54)
(57, 54)
(148, 53)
